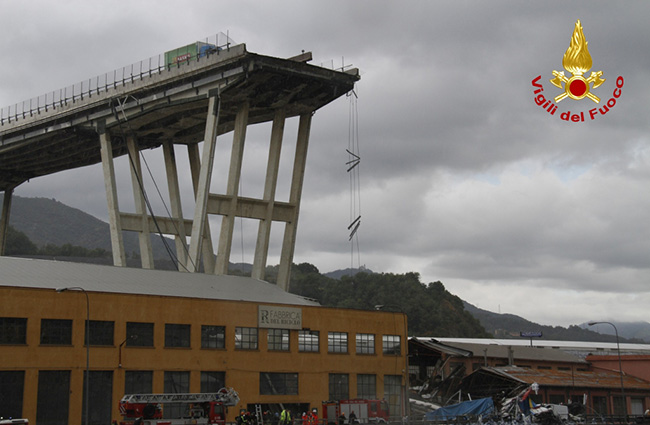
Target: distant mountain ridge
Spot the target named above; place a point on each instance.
(509, 326)
(634, 330)
(47, 221)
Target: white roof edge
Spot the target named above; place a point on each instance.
(544, 343)
(46, 274)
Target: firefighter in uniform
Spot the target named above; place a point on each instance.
(313, 417)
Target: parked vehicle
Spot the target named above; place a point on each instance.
(196, 408)
(365, 411)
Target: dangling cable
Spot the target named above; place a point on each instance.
(353, 164)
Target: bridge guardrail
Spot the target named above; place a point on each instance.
(102, 83)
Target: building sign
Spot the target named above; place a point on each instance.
(269, 316)
(577, 61)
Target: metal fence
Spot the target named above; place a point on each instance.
(472, 420)
(528, 420)
(102, 83)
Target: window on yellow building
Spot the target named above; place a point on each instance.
(367, 386)
(176, 383)
(278, 339)
(213, 336)
(101, 332)
(339, 386)
(101, 390)
(139, 334)
(272, 383)
(56, 332)
(12, 384)
(393, 393)
(177, 335)
(391, 344)
(365, 343)
(53, 397)
(246, 338)
(308, 341)
(211, 382)
(337, 342)
(13, 330)
(138, 382)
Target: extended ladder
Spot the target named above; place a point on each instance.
(227, 396)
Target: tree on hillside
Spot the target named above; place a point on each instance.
(431, 309)
(19, 244)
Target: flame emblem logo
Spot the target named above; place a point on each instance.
(577, 61)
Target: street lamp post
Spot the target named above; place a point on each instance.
(77, 288)
(406, 356)
(620, 365)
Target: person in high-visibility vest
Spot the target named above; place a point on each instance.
(285, 417)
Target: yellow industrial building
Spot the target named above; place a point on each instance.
(154, 331)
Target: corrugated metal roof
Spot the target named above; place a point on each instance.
(567, 378)
(519, 353)
(484, 347)
(594, 347)
(28, 273)
(432, 344)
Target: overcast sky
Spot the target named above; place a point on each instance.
(463, 177)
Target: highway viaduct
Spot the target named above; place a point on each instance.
(188, 103)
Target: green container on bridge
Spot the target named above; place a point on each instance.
(189, 53)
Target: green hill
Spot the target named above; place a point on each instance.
(431, 309)
(49, 222)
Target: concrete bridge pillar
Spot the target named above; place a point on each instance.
(114, 221)
(4, 218)
(232, 189)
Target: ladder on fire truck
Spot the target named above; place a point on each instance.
(227, 396)
(259, 414)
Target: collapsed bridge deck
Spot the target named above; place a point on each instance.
(167, 106)
(185, 104)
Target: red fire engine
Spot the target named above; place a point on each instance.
(198, 408)
(365, 411)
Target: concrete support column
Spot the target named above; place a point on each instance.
(203, 187)
(4, 219)
(144, 237)
(175, 201)
(117, 244)
(207, 250)
(232, 189)
(290, 230)
(264, 230)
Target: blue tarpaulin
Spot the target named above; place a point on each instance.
(475, 407)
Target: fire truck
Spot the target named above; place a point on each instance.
(196, 408)
(366, 411)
